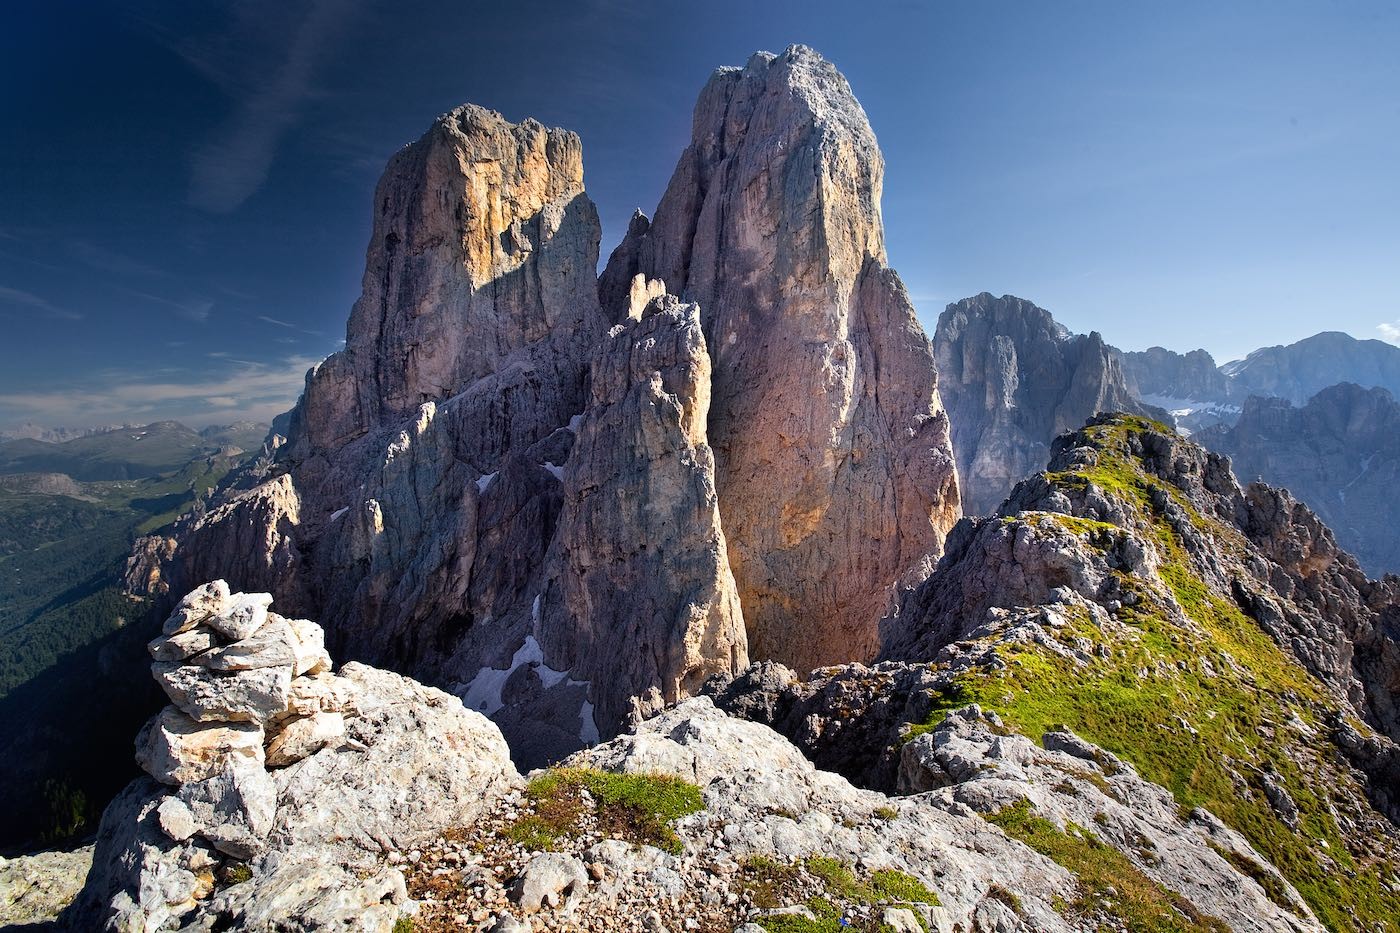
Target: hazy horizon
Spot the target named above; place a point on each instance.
(187, 189)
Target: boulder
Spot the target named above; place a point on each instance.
(305, 736)
(197, 606)
(547, 878)
(232, 810)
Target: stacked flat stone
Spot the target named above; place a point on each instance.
(249, 690)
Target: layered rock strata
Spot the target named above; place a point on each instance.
(833, 461)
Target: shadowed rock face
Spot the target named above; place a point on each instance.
(1162, 372)
(832, 453)
(641, 475)
(1013, 380)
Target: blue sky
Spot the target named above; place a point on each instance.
(185, 187)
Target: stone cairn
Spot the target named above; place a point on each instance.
(249, 690)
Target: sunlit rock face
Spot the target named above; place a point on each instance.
(834, 466)
(571, 499)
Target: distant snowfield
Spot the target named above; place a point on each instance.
(1193, 414)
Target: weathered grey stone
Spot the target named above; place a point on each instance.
(763, 797)
(414, 763)
(309, 648)
(198, 605)
(306, 736)
(272, 645)
(983, 768)
(35, 888)
(321, 692)
(176, 820)
(241, 616)
(255, 695)
(181, 646)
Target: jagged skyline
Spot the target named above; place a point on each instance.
(1123, 169)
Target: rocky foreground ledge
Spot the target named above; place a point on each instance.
(281, 795)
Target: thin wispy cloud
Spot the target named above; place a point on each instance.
(105, 260)
(251, 390)
(191, 309)
(19, 297)
(273, 320)
(270, 99)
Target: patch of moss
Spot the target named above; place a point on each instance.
(955, 696)
(633, 807)
(796, 923)
(403, 925)
(769, 882)
(1096, 531)
(1111, 883)
(899, 887)
(772, 884)
(997, 893)
(237, 873)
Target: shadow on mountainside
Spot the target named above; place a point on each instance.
(65, 738)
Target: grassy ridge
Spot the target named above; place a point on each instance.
(1200, 700)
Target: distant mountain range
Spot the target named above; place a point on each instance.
(1199, 393)
(130, 452)
(1339, 453)
(1317, 417)
(1013, 379)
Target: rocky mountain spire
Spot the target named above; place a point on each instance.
(569, 526)
(834, 468)
(484, 245)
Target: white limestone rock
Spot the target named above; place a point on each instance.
(410, 762)
(763, 797)
(305, 736)
(548, 877)
(308, 648)
(272, 645)
(971, 762)
(183, 645)
(233, 809)
(198, 605)
(175, 749)
(241, 616)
